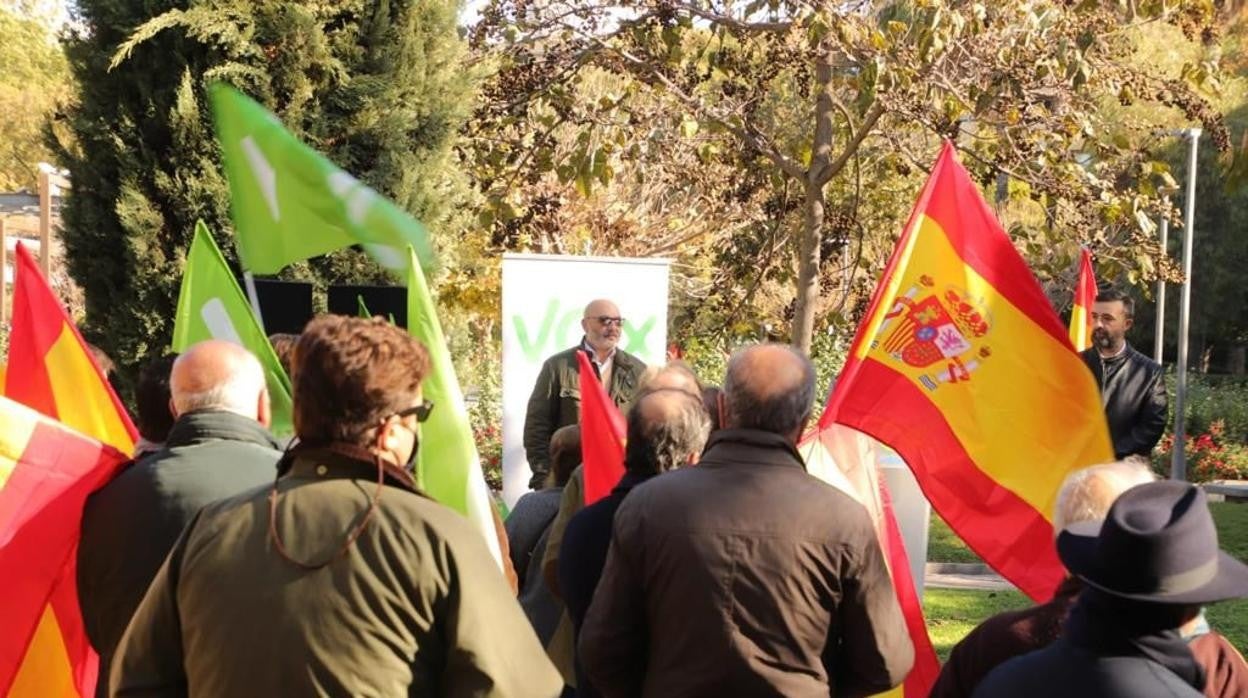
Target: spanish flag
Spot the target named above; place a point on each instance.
(1081, 311)
(46, 473)
(847, 460)
(602, 435)
(50, 368)
(963, 368)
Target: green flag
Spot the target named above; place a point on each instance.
(212, 306)
(290, 203)
(448, 466)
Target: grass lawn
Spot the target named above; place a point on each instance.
(1232, 522)
(952, 613)
(943, 545)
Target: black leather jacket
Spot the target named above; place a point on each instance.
(1133, 390)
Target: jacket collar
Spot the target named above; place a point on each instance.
(202, 426)
(753, 447)
(1126, 354)
(629, 481)
(593, 353)
(339, 462)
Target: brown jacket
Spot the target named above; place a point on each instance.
(744, 576)
(1226, 673)
(416, 606)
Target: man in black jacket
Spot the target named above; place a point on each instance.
(1133, 387)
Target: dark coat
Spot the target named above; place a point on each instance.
(585, 544)
(556, 399)
(416, 606)
(744, 576)
(1065, 670)
(528, 528)
(129, 525)
(1133, 390)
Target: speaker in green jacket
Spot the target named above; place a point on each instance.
(556, 398)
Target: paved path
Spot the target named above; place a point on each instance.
(947, 575)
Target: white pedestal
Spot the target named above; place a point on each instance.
(912, 511)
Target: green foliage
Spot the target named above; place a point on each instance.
(1213, 399)
(479, 369)
(810, 126)
(1208, 456)
(379, 87)
(35, 78)
(1216, 429)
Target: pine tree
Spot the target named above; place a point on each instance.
(380, 86)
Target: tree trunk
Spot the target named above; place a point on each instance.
(808, 270)
(817, 175)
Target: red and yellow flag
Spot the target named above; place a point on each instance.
(50, 368)
(964, 369)
(46, 473)
(1085, 296)
(602, 435)
(846, 459)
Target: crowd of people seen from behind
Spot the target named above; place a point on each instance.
(222, 561)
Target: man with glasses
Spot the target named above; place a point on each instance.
(339, 578)
(556, 398)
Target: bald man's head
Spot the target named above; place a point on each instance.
(1087, 493)
(602, 325)
(675, 376)
(769, 387)
(219, 375)
(667, 428)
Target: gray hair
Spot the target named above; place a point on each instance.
(778, 412)
(238, 394)
(656, 445)
(1088, 493)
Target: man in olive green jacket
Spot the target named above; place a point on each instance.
(340, 579)
(556, 398)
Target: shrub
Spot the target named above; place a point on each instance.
(1210, 455)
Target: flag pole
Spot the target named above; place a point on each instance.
(250, 282)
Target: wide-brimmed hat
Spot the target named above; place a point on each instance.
(1158, 543)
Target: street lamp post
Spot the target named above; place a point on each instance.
(1178, 465)
(1159, 332)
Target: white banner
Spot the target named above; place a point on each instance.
(544, 297)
